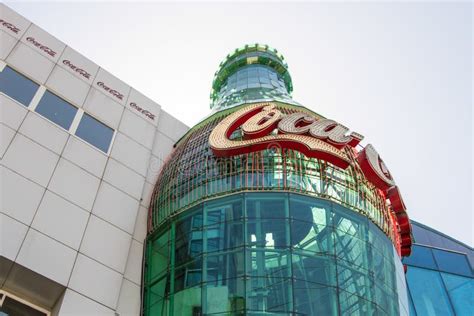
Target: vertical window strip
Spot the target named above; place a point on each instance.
(37, 97)
(75, 122)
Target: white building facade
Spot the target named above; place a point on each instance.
(80, 152)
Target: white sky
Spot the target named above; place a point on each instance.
(398, 73)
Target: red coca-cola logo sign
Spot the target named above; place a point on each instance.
(147, 113)
(42, 47)
(80, 71)
(317, 138)
(264, 126)
(9, 26)
(113, 92)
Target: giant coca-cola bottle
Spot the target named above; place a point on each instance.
(268, 208)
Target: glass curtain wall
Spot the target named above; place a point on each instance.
(272, 254)
(439, 277)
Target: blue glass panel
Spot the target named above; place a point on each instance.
(470, 258)
(412, 307)
(95, 132)
(452, 262)
(435, 239)
(460, 290)
(17, 86)
(421, 257)
(56, 110)
(428, 292)
(420, 235)
(454, 245)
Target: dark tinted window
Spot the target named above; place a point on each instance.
(17, 86)
(95, 132)
(56, 109)
(13, 307)
(452, 262)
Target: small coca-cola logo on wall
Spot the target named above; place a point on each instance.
(113, 92)
(44, 48)
(80, 71)
(147, 113)
(9, 26)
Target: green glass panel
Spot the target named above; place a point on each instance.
(265, 262)
(160, 307)
(355, 279)
(267, 208)
(225, 296)
(223, 210)
(351, 249)
(310, 210)
(385, 299)
(187, 302)
(159, 256)
(268, 233)
(270, 295)
(307, 237)
(352, 304)
(314, 269)
(224, 236)
(224, 266)
(189, 237)
(159, 290)
(188, 275)
(314, 299)
(350, 223)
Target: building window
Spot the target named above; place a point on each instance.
(56, 110)
(13, 305)
(95, 132)
(17, 86)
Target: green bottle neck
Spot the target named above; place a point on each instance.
(250, 84)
